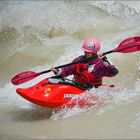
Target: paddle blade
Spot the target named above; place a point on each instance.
(24, 77)
(129, 45)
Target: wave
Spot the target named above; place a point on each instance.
(119, 9)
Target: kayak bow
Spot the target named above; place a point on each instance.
(53, 92)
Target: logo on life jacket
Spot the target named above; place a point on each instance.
(91, 68)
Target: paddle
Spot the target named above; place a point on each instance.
(29, 75)
(126, 46)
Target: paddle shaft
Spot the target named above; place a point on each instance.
(108, 52)
(126, 46)
(65, 65)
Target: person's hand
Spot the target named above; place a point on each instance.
(54, 70)
(100, 54)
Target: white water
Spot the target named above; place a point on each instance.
(36, 35)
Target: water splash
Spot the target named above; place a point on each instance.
(118, 9)
(96, 100)
(82, 103)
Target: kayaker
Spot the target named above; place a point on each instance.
(89, 74)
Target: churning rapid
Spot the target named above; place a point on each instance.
(36, 35)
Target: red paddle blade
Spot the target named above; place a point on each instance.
(129, 45)
(23, 77)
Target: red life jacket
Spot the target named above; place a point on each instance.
(82, 76)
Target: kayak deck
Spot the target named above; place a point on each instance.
(50, 92)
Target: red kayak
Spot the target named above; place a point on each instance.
(50, 92)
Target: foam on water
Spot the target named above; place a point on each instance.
(99, 101)
(10, 99)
